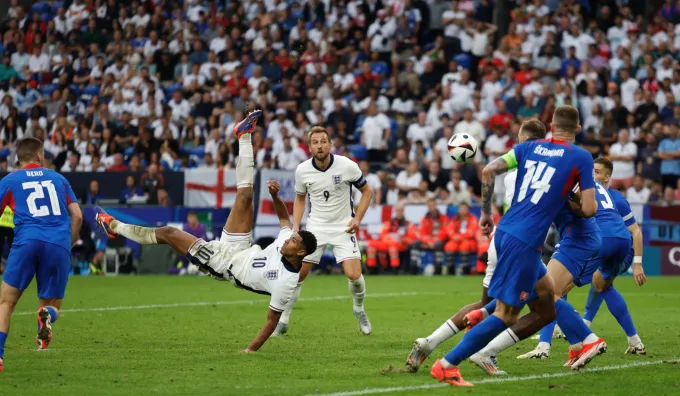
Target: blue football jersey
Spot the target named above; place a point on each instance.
(608, 217)
(547, 170)
(39, 198)
(569, 224)
(621, 204)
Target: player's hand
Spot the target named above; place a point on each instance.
(274, 188)
(639, 274)
(486, 223)
(352, 226)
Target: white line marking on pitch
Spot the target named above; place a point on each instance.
(234, 302)
(500, 379)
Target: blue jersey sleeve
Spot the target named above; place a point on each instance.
(585, 168)
(70, 196)
(623, 207)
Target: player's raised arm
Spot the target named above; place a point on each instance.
(266, 331)
(491, 170)
(279, 205)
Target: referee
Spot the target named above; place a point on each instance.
(6, 233)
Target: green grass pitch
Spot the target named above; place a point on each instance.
(183, 335)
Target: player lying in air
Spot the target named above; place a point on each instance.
(47, 221)
(272, 271)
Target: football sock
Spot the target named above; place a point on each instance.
(619, 309)
(571, 324)
(285, 316)
(634, 340)
(474, 340)
(489, 308)
(3, 338)
(592, 304)
(503, 341)
(139, 234)
(443, 333)
(245, 165)
(54, 313)
(547, 333)
(358, 290)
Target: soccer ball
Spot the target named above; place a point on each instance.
(462, 147)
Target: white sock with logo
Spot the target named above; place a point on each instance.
(443, 333)
(245, 165)
(139, 234)
(358, 290)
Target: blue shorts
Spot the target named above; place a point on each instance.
(615, 257)
(518, 269)
(575, 252)
(49, 263)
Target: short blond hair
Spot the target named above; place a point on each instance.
(533, 128)
(566, 119)
(317, 129)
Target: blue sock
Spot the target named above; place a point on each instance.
(3, 338)
(619, 309)
(571, 323)
(592, 304)
(476, 339)
(491, 307)
(54, 313)
(547, 332)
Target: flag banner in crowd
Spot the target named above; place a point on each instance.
(212, 188)
(267, 213)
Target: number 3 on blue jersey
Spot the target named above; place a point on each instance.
(537, 178)
(607, 202)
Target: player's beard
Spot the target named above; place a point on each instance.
(321, 158)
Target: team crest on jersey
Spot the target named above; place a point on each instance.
(523, 296)
(337, 179)
(272, 275)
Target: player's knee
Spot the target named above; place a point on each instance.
(353, 272)
(166, 233)
(244, 195)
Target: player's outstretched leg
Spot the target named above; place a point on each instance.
(619, 309)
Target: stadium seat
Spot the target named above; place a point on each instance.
(46, 90)
(45, 17)
(359, 152)
(463, 60)
(40, 8)
(169, 90)
(128, 152)
(198, 151)
(91, 90)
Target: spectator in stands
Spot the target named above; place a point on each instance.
(471, 127)
(457, 190)
(163, 197)
(669, 153)
(132, 192)
(638, 193)
(373, 180)
(409, 179)
(151, 182)
(290, 156)
(375, 134)
(623, 154)
(92, 196)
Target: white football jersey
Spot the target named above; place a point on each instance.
(268, 272)
(330, 191)
(509, 183)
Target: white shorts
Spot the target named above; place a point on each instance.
(490, 263)
(345, 246)
(222, 256)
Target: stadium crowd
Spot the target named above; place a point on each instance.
(159, 84)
